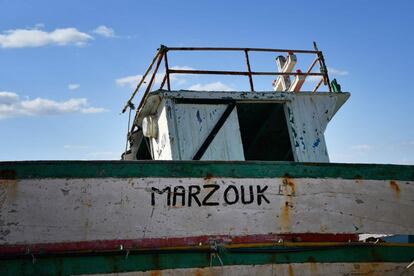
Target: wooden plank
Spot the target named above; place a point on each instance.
(120, 261)
(199, 120)
(307, 119)
(246, 169)
(311, 269)
(69, 210)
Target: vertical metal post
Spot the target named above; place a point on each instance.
(323, 67)
(167, 71)
(246, 53)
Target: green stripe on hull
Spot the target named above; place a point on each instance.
(68, 265)
(125, 169)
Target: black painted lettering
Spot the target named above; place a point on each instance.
(193, 194)
(214, 188)
(160, 192)
(260, 194)
(243, 195)
(179, 191)
(226, 195)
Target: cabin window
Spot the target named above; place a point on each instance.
(264, 132)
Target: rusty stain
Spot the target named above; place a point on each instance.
(198, 273)
(285, 220)
(313, 266)
(288, 182)
(10, 187)
(367, 268)
(288, 191)
(208, 176)
(395, 187)
(155, 273)
(290, 270)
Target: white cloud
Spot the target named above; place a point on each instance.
(337, 72)
(90, 110)
(39, 26)
(20, 38)
(214, 86)
(73, 86)
(104, 31)
(12, 106)
(132, 81)
(332, 72)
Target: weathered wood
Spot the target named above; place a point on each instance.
(311, 269)
(53, 210)
(199, 120)
(364, 258)
(188, 124)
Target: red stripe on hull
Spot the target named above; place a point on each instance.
(165, 243)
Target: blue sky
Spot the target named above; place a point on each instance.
(67, 68)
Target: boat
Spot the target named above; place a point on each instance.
(214, 183)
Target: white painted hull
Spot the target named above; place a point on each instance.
(70, 210)
(305, 269)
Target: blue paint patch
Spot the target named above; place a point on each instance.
(317, 142)
(294, 132)
(199, 117)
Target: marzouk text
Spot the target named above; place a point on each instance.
(209, 195)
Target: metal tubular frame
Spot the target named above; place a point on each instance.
(162, 54)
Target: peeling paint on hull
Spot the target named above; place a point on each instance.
(112, 208)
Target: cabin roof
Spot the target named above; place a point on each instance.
(210, 97)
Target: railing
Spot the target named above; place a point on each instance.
(162, 55)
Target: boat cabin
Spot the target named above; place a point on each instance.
(286, 124)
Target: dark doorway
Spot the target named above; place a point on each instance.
(264, 132)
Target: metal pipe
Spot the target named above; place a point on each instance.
(152, 79)
(312, 65)
(246, 54)
(128, 104)
(164, 79)
(241, 73)
(317, 86)
(323, 67)
(241, 49)
(167, 73)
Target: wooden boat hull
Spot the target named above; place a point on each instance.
(180, 211)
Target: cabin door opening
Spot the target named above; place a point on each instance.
(264, 132)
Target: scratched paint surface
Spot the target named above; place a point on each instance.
(307, 118)
(187, 125)
(311, 269)
(194, 122)
(64, 210)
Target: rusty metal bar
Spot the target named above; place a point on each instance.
(318, 85)
(164, 79)
(312, 65)
(241, 73)
(241, 49)
(323, 68)
(161, 55)
(167, 73)
(246, 54)
(129, 102)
